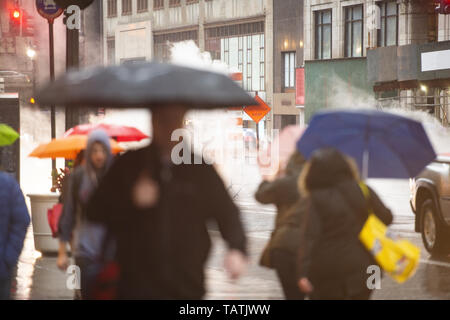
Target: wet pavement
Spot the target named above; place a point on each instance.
(39, 278)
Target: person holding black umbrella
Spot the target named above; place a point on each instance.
(158, 211)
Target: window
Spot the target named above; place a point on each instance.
(248, 85)
(323, 34)
(212, 42)
(388, 32)
(127, 7)
(111, 50)
(289, 69)
(241, 46)
(354, 31)
(174, 3)
(112, 8)
(262, 66)
(142, 5)
(226, 52)
(240, 53)
(282, 121)
(235, 30)
(158, 4)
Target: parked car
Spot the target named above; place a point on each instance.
(430, 201)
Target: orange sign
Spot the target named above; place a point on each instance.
(259, 111)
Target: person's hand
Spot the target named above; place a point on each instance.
(63, 261)
(145, 192)
(235, 263)
(305, 286)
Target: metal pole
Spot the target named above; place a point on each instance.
(52, 78)
(72, 62)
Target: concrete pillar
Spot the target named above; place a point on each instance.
(201, 25)
(268, 36)
(422, 22)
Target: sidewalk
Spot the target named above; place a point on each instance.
(38, 278)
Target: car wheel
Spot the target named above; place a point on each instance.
(434, 234)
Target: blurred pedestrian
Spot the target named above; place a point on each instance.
(87, 239)
(158, 213)
(280, 252)
(14, 222)
(332, 261)
(79, 160)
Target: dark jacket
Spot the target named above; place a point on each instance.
(14, 222)
(331, 254)
(283, 193)
(162, 250)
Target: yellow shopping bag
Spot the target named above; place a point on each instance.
(398, 257)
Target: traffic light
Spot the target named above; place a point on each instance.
(15, 21)
(443, 7)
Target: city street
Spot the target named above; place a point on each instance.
(110, 109)
(40, 279)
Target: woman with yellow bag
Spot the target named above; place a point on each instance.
(332, 261)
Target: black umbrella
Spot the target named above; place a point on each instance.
(144, 85)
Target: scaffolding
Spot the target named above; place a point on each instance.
(435, 101)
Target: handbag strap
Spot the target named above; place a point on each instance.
(366, 193)
(365, 190)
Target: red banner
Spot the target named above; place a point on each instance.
(300, 87)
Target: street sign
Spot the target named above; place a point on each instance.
(259, 111)
(48, 9)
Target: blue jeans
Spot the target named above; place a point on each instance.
(5, 289)
(89, 271)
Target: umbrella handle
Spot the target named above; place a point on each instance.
(365, 164)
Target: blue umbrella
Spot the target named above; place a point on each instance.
(384, 145)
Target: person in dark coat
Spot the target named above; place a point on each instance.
(332, 261)
(281, 251)
(158, 213)
(14, 222)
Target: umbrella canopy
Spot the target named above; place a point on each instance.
(384, 145)
(7, 135)
(67, 148)
(118, 133)
(144, 85)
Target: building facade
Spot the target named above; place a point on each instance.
(22, 70)
(236, 32)
(288, 62)
(336, 42)
(416, 71)
(362, 53)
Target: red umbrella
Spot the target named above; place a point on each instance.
(117, 132)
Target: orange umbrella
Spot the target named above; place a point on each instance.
(67, 148)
